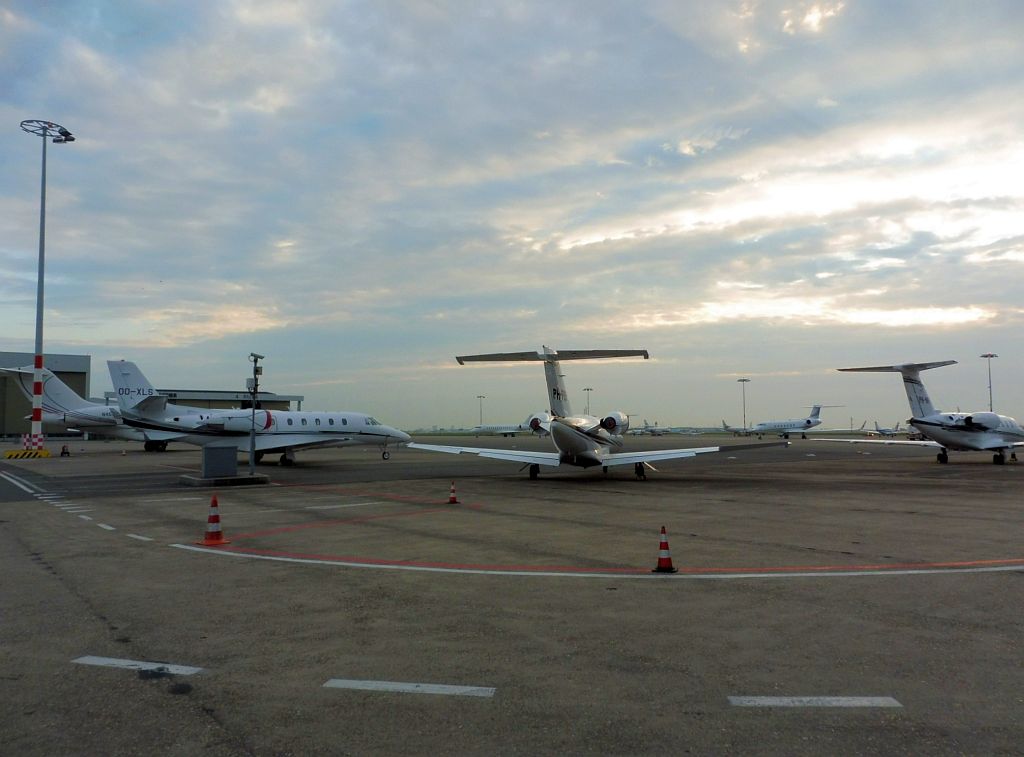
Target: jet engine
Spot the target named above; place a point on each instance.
(615, 423)
(983, 421)
(539, 423)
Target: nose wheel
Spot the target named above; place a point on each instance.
(942, 457)
(640, 471)
(385, 455)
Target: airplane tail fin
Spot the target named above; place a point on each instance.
(920, 403)
(815, 411)
(134, 392)
(58, 397)
(558, 397)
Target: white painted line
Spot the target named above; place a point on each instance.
(814, 702)
(789, 575)
(85, 517)
(411, 688)
(25, 486)
(106, 527)
(355, 504)
(140, 538)
(113, 662)
(80, 510)
(49, 496)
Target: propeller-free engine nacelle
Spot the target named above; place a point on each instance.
(85, 417)
(985, 421)
(241, 423)
(615, 423)
(539, 423)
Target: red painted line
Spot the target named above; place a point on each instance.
(884, 566)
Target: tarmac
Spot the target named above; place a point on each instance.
(829, 598)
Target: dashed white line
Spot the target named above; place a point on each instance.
(106, 527)
(25, 486)
(239, 513)
(814, 702)
(113, 662)
(140, 538)
(85, 517)
(79, 510)
(411, 688)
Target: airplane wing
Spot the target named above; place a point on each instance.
(651, 456)
(516, 456)
(905, 442)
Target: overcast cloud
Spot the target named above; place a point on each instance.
(362, 190)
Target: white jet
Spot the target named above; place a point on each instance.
(64, 409)
(737, 430)
(886, 431)
(791, 426)
(980, 432)
(281, 431)
(505, 429)
(584, 441)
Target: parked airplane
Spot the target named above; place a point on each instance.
(887, 431)
(650, 430)
(791, 426)
(63, 408)
(507, 429)
(278, 431)
(737, 430)
(982, 431)
(584, 441)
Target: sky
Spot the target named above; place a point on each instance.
(361, 191)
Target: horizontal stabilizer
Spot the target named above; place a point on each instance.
(505, 357)
(904, 368)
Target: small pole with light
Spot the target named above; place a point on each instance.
(254, 388)
(47, 130)
(481, 397)
(588, 390)
(743, 383)
(988, 356)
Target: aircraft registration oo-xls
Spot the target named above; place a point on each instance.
(584, 441)
(979, 432)
(281, 431)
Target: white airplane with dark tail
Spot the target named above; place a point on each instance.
(979, 432)
(281, 431)
(584, 441)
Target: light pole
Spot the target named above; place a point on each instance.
(988, 356)
(481, 397)
(59, 135)
(588, 390)
(743, 383)
(254, 388)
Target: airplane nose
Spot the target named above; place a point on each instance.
(401, 435)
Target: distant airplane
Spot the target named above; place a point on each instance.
(792, 425)
(654, 430)
(507, 429)
(281, 431)
(887, 431)
(737, 430)
(584, 441)
(63, 408)
(982, 431)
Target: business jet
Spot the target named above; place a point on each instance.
(887, 431)
(584, 441)
(650, 430)
(506, 429)
(737, 430)
(278, 431)
(65, 410)
(980, 432)
(792, 425)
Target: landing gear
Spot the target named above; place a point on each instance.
(604, 469)
(942, 457)
(999, 458)
(258, 458)
(287, 459)
(151, 446)
(640, 471)
(534, 471)
(385, 455)
(784, 436)
(803, 436)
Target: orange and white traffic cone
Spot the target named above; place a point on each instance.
(214, 536)
(664, 556)
(452, 499)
